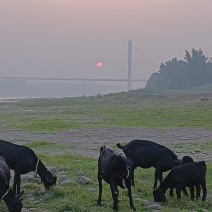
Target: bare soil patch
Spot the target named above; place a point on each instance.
(86, 142)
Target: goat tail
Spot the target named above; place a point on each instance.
(119, 146)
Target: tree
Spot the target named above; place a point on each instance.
(195, 70)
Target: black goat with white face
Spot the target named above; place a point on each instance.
(188, 175)
(146, 154)
(22, 160)
(13, 202)
(116, 171)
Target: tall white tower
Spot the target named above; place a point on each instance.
(129, 64)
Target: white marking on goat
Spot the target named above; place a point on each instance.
(36, 168)
(5, 194)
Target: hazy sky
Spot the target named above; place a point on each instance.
(66, 38)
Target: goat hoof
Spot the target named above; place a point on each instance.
(115, 208)
(133, 208)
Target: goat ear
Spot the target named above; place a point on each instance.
(102, 148)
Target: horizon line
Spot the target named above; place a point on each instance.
(70, 79)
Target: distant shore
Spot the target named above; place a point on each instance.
(12, 99)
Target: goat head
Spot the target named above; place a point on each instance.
(50, 179)
(16, 204)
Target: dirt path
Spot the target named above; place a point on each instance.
(86, 142)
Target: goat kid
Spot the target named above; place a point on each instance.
(116, 171)
(187, 175)
(185, 159)
(22, 160)
(146, 154)
(14, 203)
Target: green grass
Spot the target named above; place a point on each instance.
(123, 110)
(114, 110)
(77, 197)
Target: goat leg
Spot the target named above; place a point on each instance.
(178, 191)
(185, 191)
(192, 192)
(17, 182)
(158, 176)
(171, 192)
(99, 201)
(114, 191)
(133, 179)
(130, 197)
(204, 190)
(198, 188)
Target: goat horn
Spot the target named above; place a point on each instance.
(52, 170)
(128, 172)
(123, 182)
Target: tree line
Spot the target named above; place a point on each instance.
(195, 70)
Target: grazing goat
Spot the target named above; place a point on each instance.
(185, 159)
(146, 154)
(187, 175)
(22, 160)
(13, 202)
(116, 171)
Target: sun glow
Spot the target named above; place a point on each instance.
(99, 64)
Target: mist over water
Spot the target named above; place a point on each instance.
(44, 89)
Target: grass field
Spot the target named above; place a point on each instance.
(125, 109)
(114, 110)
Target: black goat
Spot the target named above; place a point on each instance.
(22, 160)
(146, 154)
(116, 171)
(185, 159)
(187, 175)
(13, 202)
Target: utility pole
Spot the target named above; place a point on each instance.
(129, 64)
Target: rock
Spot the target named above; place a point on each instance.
(61, 173)
(196, 151)
(27, 177)
(51, 168)
(24, 210)
(83, 180)
(154, 206)
(62, 178)
(178, 151)
(66, 182)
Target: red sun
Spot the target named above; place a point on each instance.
(99, 64)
